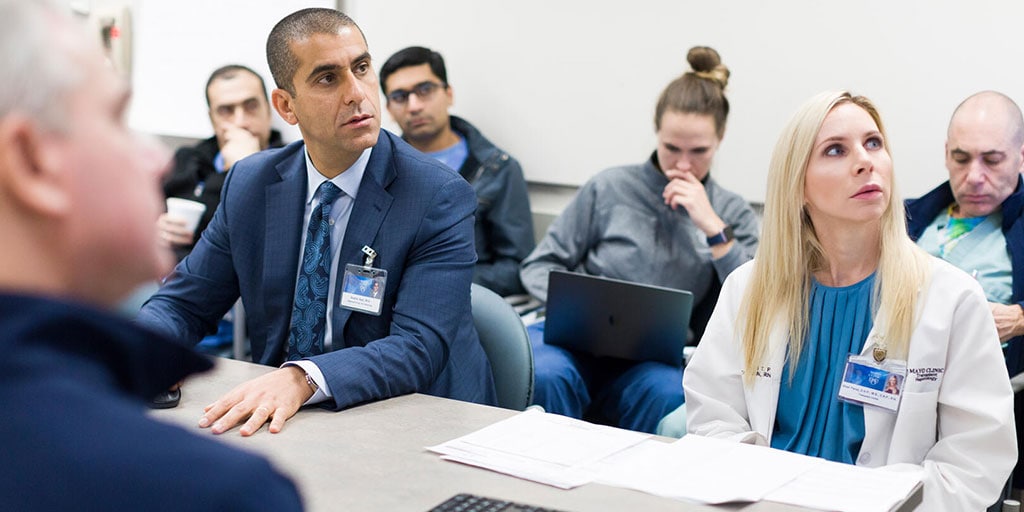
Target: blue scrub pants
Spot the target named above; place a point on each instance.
(625, 394)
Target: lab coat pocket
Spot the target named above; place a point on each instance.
(916, 425)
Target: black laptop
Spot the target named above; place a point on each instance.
(613, 318)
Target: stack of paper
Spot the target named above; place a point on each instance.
(541, 447)
(566, 453)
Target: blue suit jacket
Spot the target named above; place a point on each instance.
(416, 213)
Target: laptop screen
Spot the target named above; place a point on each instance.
(613, 318)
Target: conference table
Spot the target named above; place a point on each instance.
(372, 457)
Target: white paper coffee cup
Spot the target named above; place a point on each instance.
(185, 210)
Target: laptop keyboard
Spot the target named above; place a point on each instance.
(474, 503)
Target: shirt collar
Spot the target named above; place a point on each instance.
(348, 181)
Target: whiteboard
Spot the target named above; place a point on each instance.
(177, 44)
(569, 86)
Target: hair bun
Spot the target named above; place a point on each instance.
(706, 63)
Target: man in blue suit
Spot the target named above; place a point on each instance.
(79, 197)
(392, 215)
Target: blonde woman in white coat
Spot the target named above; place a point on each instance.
(836, 284)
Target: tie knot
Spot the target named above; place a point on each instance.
(328, 192)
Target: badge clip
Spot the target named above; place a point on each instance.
(363, 286)
(370, 255)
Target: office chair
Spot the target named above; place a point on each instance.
(507, 346)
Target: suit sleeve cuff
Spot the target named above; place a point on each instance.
(323, 392)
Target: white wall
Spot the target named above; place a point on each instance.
(177, 44)
(569, 86)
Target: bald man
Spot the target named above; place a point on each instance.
(975, 221)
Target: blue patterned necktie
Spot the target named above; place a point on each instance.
(309, 312)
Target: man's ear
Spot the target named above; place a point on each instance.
(31, 167)
(282, 101)
(450, 92)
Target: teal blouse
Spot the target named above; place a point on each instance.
(811, 419)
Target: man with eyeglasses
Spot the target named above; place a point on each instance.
(240, 115)
(415, 83)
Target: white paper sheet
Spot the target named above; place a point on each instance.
(567, 453)
(703, 470)
(846, 488)
(542, 447)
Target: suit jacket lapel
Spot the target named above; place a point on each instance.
(371, 207)
(284, 214)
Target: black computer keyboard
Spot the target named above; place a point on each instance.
(474, 503)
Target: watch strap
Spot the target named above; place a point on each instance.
(721, 238)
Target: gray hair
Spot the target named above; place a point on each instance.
(36, 72)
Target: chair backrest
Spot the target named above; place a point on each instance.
(507, 345)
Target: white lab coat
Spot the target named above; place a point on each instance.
(955, 423)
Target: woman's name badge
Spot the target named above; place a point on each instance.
(363, 288)
(870, 383)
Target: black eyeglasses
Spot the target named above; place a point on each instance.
(422, 90)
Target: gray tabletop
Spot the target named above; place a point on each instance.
(372, 457)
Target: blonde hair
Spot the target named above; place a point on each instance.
(790, 250)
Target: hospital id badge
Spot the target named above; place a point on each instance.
(870, 383)
(363, 288)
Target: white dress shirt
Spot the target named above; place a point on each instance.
(348, 181)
